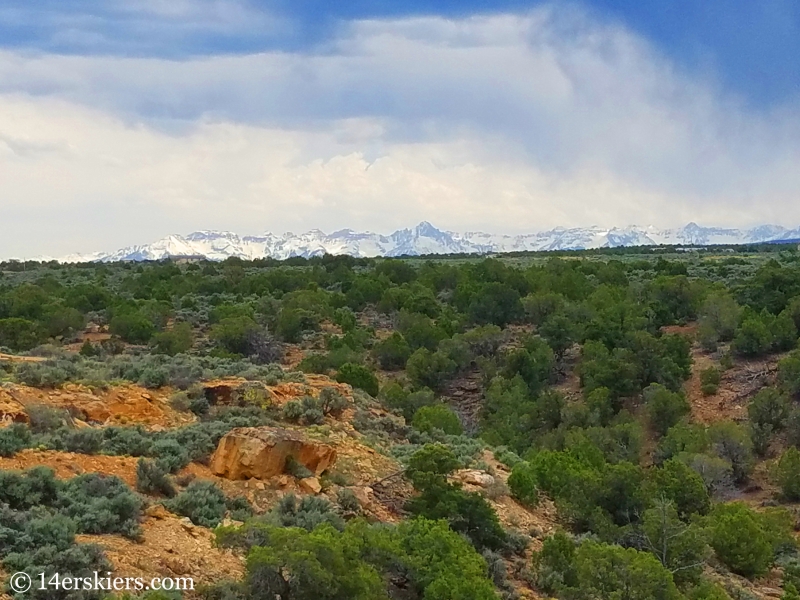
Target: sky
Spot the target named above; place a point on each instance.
(123, 121)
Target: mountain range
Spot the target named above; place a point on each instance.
(426, 239)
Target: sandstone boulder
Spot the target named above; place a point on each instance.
(310, 485)
(95, 412)
(262, 452)
(475, 477)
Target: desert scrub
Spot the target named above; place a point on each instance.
(306, 411)
(347, 501)
(14, 438)
(151, 478)
(150, 370)
(309, 512)
(206, 505)
(466, 450)
(709, 381)
(296, 469)
(522, 483)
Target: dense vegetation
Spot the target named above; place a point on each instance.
(581, 377)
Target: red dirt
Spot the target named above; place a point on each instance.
(171, 547)
(120, 405)
(70, 464)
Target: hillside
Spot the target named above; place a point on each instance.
(465, 428)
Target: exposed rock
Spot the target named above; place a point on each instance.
(262, 452)
(236, 391)
(475, 477)
(12, 411)
(168, 548)
(157, 511)
(364, 496)
(310, 485)
(92, 411)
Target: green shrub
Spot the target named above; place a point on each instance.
(609, 571)
(233, 333)
(347, 501)
(199, 406)
(84, 441)
(467, 513)
(151, 478)
(23, 490)
(429, 369)
(522, 483)
(332, 402)
(101, 504)
(133, 327)
(126, 441)
(170, 454)
(731, 442)
(753, 337)
(358, 376)
(596, 570)
(14, 438)
(20, 334)
(395, 397)
(681, 548)
(789, 374)
(554, 564)
(679, 483)
(46, 419)
(292, 323)
(740, 540)
(202, 501)
(48, 374)
(709, 380)
(664, 408)
(296, 469)
(174, 341)
(437, 416)
(769, 407)
(307, 410)
(315, 363)
(309, 512)
(180, 401)
(392, 353)
(787, 474)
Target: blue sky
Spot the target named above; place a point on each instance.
(128, 120)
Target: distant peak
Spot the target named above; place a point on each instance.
(426, 229)
(425, 238)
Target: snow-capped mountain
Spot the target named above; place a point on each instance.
(427, 239)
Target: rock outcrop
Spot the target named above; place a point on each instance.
(262, 452)
(12, 411)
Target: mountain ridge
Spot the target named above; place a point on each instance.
(425, 239)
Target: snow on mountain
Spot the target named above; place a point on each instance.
(427, 239)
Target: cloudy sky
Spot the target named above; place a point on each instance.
(122, 121)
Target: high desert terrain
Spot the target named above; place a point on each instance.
(618, 424)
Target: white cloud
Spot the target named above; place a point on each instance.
(503, 123)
